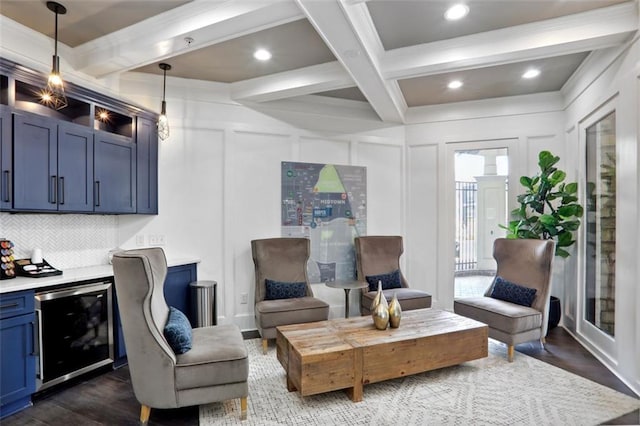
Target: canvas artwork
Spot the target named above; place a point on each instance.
(326, 203)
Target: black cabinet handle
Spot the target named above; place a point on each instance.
(6, 185)
(9, 305)
(61, 189)
(53, 189)
(97, 193)
(33, 339)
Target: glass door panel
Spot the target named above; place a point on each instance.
(481, 177)
(600, 224)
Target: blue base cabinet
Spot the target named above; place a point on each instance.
(17, 357)
(176, 294)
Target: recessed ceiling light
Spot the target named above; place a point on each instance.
(455, 84)
(457, 11)
(262, 55)
(531, 73)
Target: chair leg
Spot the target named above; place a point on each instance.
(265, 346)
(510, 350)
(543, 342)
(243, 408)
(145, 412)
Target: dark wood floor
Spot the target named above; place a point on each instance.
(106, 398)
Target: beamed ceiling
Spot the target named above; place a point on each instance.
(395, 55)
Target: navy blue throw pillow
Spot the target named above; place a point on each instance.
(177, 331)
(389, 280)
(284, 290)
(514, 293)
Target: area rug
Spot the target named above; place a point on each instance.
(490, 391)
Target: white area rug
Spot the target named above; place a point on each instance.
(490, 391)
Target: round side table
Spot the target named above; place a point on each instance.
(347, 286)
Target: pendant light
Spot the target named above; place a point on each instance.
(163, 121)
(53, 95)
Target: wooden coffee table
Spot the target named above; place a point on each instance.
(348, 353)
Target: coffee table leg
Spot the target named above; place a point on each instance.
(356, 392)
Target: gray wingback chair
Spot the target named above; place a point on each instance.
(377, 255)
(215, 369)
(284, 260)
(526, 262)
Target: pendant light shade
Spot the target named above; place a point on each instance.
(163, 121)
(53, 94)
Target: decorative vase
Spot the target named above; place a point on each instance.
(379, 298)
(381, 317)
(395, 312)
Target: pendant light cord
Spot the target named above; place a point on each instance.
(55, 48)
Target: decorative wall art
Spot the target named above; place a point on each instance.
(328, 204)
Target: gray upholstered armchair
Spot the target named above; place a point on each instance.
(216, 367)
(376, 255)
(284, 261)
(527, 263)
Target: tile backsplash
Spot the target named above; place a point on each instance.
(66, 240)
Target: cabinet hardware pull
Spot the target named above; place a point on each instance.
(7, 185)
(9, 305)
(61, 189)
(53, 189)
(33, 339)
(38, 341)
(97, 193)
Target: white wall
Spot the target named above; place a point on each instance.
(611, 80)
(430, 173)
(219, 183)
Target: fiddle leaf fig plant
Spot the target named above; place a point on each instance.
(549, 207)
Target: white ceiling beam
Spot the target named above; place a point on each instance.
(303, 81)
(586, 31)
(348, 32)
(206, 21)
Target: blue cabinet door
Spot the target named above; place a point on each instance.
(75, 168)
(114, 174)
(147, 166)
(176, 288)
(35, 157)
(17, 363)
(6, 155)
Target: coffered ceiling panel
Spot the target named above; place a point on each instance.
(491, 82)
(85, 20)
(409, 22)
(391, 54)
(293, 45)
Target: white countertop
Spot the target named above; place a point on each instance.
(72, 275)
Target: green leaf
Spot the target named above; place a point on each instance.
(548, 219)
(561, 252)
(568, 210)
(525, 181)
(571, 188)
(546, 160)
(557, 177)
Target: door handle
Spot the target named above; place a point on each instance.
(6, 179)
(53, 189)
(61, 189)
(97, 193)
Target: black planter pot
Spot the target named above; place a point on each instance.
(554, 312)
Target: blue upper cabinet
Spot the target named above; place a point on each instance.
(75, 168)
(147, 166)
(53, 165)
(35, 162)
(6, 157)
(114, 174)
(96, 155)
